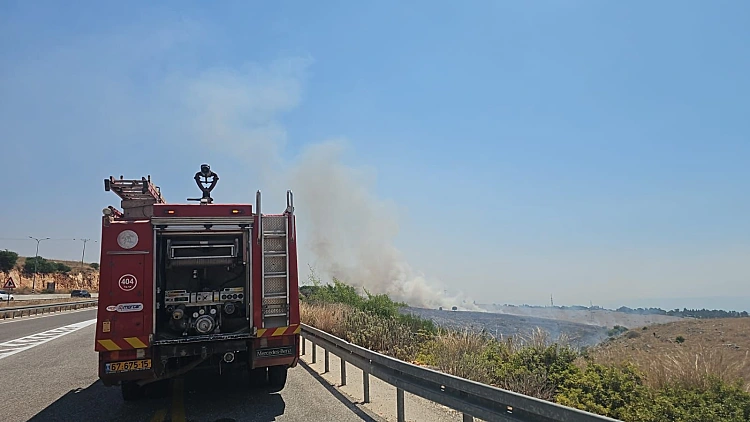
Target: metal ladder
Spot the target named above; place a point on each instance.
(273, 237)
(134, 189)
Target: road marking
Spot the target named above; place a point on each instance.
(18, 345)
(28, 318)
(178, 405)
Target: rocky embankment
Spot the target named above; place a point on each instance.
(88, 278)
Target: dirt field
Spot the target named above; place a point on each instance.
(685, 349)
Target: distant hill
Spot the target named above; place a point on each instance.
(506, 325)
(583, 315)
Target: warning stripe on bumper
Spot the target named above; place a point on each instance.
(109, 345)
(279, 331)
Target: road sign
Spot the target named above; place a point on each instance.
(9, 284)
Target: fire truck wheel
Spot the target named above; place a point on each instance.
(277, 377)
(131, 391)
(257, 377)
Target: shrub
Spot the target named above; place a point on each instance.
(616, 331)
(633, 387)
(8, 260)
(633, 334)
(717, 401)
(605, 390)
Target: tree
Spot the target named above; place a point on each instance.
(8, 260)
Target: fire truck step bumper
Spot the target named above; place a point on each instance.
(198, 339)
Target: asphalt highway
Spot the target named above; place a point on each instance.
(49, 373)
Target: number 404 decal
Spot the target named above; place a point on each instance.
(127, 282)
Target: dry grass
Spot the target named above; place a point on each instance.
(382, 335)
(718, 347)
(460, 354)
(481, 358)
(328, 317)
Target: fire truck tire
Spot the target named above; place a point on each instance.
(257, 377)
(277, 377)
(131, 391)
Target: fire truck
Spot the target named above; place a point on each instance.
(195, 286)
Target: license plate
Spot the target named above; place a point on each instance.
(276, 351)
(127, 366)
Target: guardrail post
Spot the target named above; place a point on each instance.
(366, 385)
(343, 371)
(314, 350)
(303, 345)
(468, 418)
(327, 362)
(400, 405)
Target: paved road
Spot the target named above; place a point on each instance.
(51, 375)
(20, 327)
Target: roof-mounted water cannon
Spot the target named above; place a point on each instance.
(205, 174)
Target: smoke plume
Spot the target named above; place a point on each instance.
(344, 230)
(350, 232)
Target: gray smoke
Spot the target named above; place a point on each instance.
(350, 232)
(344, 230)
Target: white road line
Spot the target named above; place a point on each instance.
(25, 343)
(27, 318)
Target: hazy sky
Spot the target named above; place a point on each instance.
(509, 151)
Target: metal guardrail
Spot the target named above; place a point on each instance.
(471, 398)
(48, 307)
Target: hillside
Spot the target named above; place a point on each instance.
(598, 317)
(506, 325)
(684, 349)
(78, 277)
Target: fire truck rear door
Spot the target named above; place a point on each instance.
(127, 295)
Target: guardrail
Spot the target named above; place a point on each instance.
(49, 307)
(471, 398)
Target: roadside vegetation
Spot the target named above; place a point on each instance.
(676, 387)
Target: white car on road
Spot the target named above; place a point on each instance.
(4, 295)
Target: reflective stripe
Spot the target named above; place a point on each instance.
(109, 345)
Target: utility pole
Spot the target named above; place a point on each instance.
(84, 250)
(36, 262)
(82, 256)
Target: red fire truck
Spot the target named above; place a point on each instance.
(186, 287)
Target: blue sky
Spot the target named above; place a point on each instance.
(595, 151)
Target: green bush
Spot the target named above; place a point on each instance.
(43, 266)
(550, 371)
(720, 401)
(605, 390)
(8, 260)
(616, 331)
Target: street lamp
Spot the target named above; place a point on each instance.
(36, 261)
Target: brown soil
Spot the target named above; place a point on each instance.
(684, 351)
